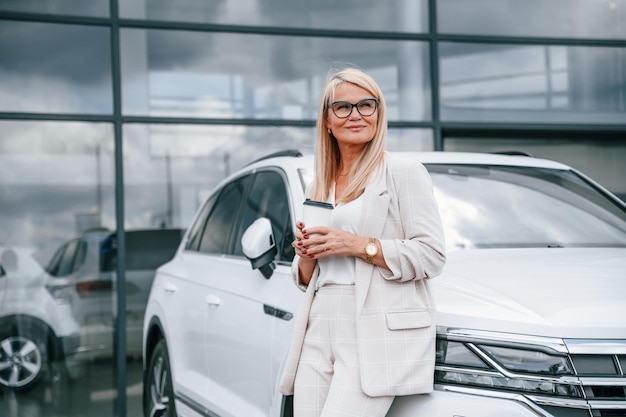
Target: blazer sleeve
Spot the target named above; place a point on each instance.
(420, 252)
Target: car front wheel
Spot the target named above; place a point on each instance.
(159, 394)
(22, 359)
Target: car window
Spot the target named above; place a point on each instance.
(268, 198)
(55, 262)
(145, 249)
(504, 206)
(149, 249)
(66, 263)
(195, 232)
(80, 255)
(68, 258)
(217, 232)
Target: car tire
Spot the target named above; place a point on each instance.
(24, 357)
(159, 391)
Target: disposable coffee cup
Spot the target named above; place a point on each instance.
(316, 213)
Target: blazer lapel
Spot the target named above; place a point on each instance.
(375, 208)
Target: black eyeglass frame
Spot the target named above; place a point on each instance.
(353, 106)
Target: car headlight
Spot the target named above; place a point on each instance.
(505, 368)
(534, 362)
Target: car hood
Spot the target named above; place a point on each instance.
(556, 292)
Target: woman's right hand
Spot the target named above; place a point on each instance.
(300, 236)
(306, 265)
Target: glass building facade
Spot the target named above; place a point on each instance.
(118, 117)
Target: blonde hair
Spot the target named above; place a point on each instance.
(327, 156)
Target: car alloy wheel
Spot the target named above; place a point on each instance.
(159, 398)
(21, 361)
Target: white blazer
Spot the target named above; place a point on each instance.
(395, 311)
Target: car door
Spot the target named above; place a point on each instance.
(190, 282)
(244, 315)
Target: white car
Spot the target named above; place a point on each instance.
(38, 336)
(82, 272)
(532, 308)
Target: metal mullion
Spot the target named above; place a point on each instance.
(55, 18)
(530, 40)
(217, 121)
(434, 75)
(120, 328)
(432, 35)
(56, 117)
(271, 30)
(535, 128)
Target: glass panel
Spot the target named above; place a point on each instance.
(538, 84)
(227, 75)
(536, 18)
(370, 15)
(57, 190)
(170, 169)
(53, 68)
(601, 159)
(94, 8)
(410, 140)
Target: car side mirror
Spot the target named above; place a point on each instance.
(259, 246)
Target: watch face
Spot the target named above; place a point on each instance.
(371, 249)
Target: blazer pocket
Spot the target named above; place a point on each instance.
(408, 319)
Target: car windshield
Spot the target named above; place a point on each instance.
(511, 207)
(502, 206)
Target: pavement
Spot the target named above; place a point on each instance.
(92, 395)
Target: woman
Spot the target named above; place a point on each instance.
(366, 330)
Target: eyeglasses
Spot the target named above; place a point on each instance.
(365, 107)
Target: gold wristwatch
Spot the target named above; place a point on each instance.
(371, 249)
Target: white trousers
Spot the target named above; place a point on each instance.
(327, 381)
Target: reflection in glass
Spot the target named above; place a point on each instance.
(528, 83)
(361, 15)
(554, 18)
(56, 179)
(84, 271)
(170, 169)
(498, 207)
(54, 68)
(601, 159)
(409, 140)
(94, 8)
(229, 75)
(56, 183)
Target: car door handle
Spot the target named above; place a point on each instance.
(277, 312)
(213, 300)
(169, 287)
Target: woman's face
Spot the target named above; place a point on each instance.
(355, 129)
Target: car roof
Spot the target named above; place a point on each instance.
(473, 158)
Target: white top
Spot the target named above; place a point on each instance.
(341, 269)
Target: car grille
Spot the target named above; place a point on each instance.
(603, 382)
(601, 368)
